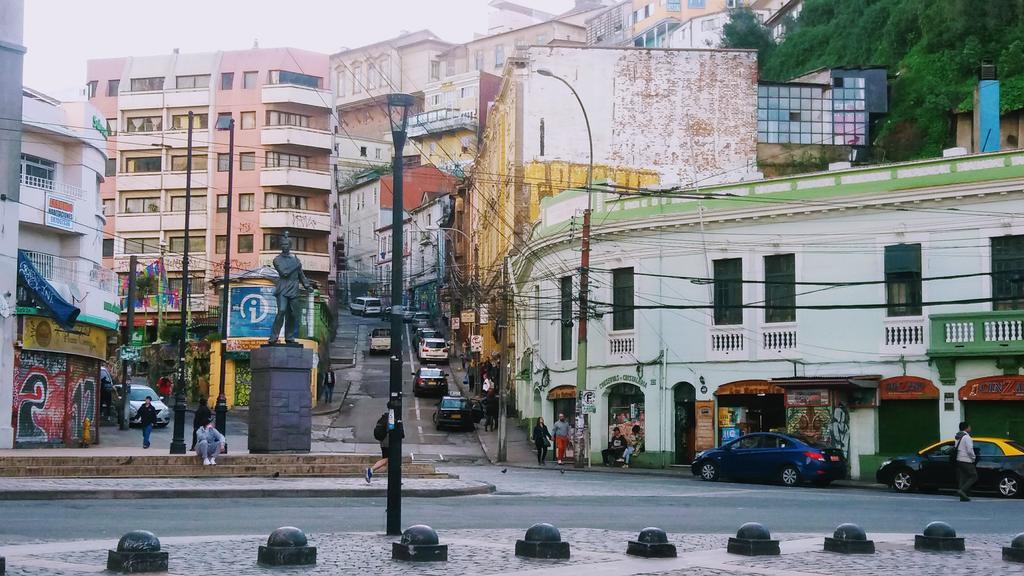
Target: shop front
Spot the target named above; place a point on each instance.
(994, 405)
(818, 408)
(563, 399)
(908, 414)
(56, 382)
(626, 410)
(747, 406)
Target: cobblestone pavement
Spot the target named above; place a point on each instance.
(491, 552)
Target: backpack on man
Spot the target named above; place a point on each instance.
(380, 431)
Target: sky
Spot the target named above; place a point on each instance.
(61, 35)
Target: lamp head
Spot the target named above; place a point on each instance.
(545, 72)
(398, 110)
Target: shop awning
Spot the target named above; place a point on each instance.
(45, 294)
(869, 382)
(748, 388)
(562, 393)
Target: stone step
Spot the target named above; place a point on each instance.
(161, 460)
(197, 469)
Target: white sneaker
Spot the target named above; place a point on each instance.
(206, 461)
(213, 461)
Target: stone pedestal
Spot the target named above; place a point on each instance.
(280, 401)
(287, 546)
(137, 551)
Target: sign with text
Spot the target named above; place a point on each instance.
(484, 317)
(704, 410)
(476, 343)
(455, 323)
(588, 399)
(44, 334)
(467, 316)
(994, 388)
(252, 311)
(60, 213)
(907, 388)
(806, 397)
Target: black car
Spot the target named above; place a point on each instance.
(429, 381)
(1000, 468)
(457, 412)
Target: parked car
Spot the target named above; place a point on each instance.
(429, 381)
(423, 333)
(422, 319)
(366, 306)
(380, 340)
(457, 412)
(768, 457)
(408, 315)
(433, 350)
(137, 395)
(1000, 468)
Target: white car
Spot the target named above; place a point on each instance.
(366, 305)
(380, 340)
(433, 350)
(136, 397)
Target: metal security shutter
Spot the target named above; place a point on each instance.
(906, 426)
(1003, 419)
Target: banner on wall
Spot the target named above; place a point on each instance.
(40, 333)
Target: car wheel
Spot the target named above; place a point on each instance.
(708, 471)
(789, 476)
(903, 480)
(1009, 485)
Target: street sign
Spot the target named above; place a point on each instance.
(588, 399)
(468, 316)
(129, 353)
(455, 323)
(476, 343)
(484, 318)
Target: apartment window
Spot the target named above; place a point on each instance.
(90, 88)
(222, 202)
(357, 71)
(275, 118)
(223, 162)
(220, 244)
(362, 151)
(436, 100)
(146, 164)
(141, 205)
(108, 207)
(180, 122)
(780, 288)
(180, 163)
(112, 87)
(282, 160)
(478, 60)
(143, 124)
(272, 201)
(376, 153)
(197, 285)
(273, 242)
(695, 3)
(245, 243)
(499, 56)
(728, 291)
(196, 243)
(37, 167)
(673, 5)
(435, 69)
(903, 280)
(286, 77)
(371, 75)
(223, 118)
(111, 126)
(177, 204)
(227, 80)
(342, 84)
(249, 79)
(147, 84)
(142, 246)
(1008, 273)
(542, 39)
(622, 299)
(248, 120)
(108, 247)
(246, 202)
(247, 161)
(385, 71)
(192, 82)
(565, 315)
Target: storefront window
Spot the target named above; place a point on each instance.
(625, 409)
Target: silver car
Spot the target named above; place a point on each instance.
(136, 397)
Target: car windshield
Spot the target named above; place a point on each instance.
(371, 302)
(428, 334)
(430, 373)
(453, 403)
(381, 333)
(434, 344)
(139, 394)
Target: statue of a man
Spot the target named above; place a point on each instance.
(286, 289)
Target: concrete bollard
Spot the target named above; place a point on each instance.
(419, 544)
(938, 537)
(287, 546)
(753, 539)
(137, 551)
(1013, 553)
(651, 543)
(543, 541)
(849, 539)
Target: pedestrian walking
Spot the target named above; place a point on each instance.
(560, 430)
(329, 385)
(201, 418)
(163, 388)
(472, 375)
(966, 462)
(382, 435)
(211, 444)
(542, 440)
(147, 417)
(492, 409)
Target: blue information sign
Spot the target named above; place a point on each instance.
(253, 309)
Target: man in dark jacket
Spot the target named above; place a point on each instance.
(201, 418)
(382, 434)
(147, 417)
(329, 385)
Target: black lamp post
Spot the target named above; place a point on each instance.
(221, 411)
(178, 440)
(398, 113)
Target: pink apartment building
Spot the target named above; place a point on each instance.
(281, 102)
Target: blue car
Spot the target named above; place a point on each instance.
(771, 457)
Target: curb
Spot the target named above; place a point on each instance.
(136, 494)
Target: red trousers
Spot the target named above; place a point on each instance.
(560, 443)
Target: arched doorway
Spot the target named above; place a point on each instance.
(563, 399)
(684, 395)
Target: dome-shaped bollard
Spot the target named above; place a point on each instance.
(1013, 553)
(651, 543)
(753, 539)
(543, 541)
(137, 551)
(938, 537)
(419, 544)
(287, 546)
(849, 539)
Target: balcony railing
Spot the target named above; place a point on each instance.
(778, 339)
(51, 186)
(727, 342)
(904, 336)
(72, 270)
(622, 345)
(977, 333)
(441, 121)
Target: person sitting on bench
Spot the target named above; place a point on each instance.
(636, 446)
(616, 447)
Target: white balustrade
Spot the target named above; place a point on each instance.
(959, 332)
(621, 345)
(1003, 330)
(778, 339)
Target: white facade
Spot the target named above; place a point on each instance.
(837, 232)
(425, 264)
(704, 31)
(361, 216)
(357, 154)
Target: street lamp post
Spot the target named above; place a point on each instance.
(398, 114)
(581, 342)
(178, 440)
(221, 410)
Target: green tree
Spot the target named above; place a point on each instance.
(744, 30)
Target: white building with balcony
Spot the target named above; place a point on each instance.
(870, 308)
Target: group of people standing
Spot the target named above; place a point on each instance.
(619, 448)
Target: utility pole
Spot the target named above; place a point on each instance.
(178, 440)
(221, 409)
(504, 378)
(126, 342)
